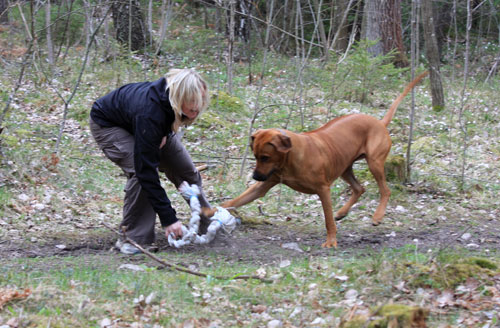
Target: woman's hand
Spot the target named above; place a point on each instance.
(175, 228)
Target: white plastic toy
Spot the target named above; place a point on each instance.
(221, 219)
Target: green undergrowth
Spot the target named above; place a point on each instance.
(48, 198)
(85, 290)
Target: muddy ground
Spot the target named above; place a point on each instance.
(266, 241)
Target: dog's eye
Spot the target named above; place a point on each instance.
(264, 158)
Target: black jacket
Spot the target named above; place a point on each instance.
(143, 109)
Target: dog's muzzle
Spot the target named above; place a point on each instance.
(261, 177)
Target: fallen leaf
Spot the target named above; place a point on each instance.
(7, 295)
(259, 308)
(445, 299)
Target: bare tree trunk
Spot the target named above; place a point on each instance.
(338, 23)
(321, 28)
(432, 54)
(300, 54)
(413, 50)
(166, 15)
(342, 28)
(242, 19)
(371, 29)
(383, 23)
(230, 46)
(48, 31)
(352, 37)
(257, 108)
(105, 8)
(30, 30)
(455, 43)
(150, 22)
(69, 7)
(494, 67)
(463, 98)
(77, 84)
(477, 51)
(218, 19)
(129, 24)
(24, 63)
(4, 12)
(88, 18)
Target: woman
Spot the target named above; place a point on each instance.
(136, 127)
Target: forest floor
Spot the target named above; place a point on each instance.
(267, 240)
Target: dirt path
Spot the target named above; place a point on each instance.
(271, 242)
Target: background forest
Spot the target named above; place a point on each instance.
(291, 64)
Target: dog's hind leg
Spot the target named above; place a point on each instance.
(376, 166)
(357, 190)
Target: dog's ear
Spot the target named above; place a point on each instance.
(252, 138)
(282, 143)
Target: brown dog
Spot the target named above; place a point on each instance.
(309, 162)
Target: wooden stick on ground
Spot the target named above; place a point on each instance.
(180, 268)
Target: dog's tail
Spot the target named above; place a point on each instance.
(390, 113)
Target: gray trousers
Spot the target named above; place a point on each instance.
(138, 215)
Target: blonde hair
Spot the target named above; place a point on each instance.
(186, 86)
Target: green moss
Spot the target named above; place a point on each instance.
(437, 108)
(10, 141)
(404, 315)
(395, 168)
(23, 133)
(453, 274)
(356, 322)
(227, 103)
(459, 272)
(424, 144)
(483, 263)
(210, 119)
(391, 315)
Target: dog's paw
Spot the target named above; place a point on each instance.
(329, 244)
(340, 217)
(208, 212)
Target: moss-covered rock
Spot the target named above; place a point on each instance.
(453, 274)
(227, 103)
(210, 119)
(483, 263)
(425, 145)
(391, 315)
(395, 168)
(458, 273)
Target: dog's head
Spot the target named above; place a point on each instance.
(269, 148)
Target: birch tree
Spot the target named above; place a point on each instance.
(48, 31)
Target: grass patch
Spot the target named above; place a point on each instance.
(84, 291)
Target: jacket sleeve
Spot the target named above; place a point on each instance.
(148, 135)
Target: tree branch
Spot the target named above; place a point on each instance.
(181, 268)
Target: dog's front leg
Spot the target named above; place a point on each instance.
(257, 190)
(331, 227)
